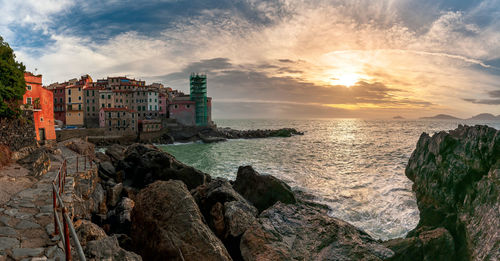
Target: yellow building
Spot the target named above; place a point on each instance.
(74, 103)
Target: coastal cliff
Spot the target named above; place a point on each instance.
(456, 179)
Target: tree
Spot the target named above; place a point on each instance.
(12, 83)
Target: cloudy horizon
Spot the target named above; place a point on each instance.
(277, 59)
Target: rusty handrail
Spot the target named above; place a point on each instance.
(67, 227)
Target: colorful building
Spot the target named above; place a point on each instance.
(163, 106)
(74, 105)
(40, 100)
(118, 120)
(59, 92)
(182, 109)
(150, 125)
(92, 105)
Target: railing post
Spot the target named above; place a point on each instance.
(76, 163)
(67, 247)
(54, 201)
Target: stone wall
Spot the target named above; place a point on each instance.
(18, 133)
(63, 135)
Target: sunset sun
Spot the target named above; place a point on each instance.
(346, 79)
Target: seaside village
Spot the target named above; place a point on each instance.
(115, 105)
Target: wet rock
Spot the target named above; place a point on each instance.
(108, 249)
(262, 190)
(456, 177)
(88, 231)
(143, 165)
(167, 225)
(302, 232)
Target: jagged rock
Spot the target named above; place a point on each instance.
(107, 170)
(212, 200)
(143, 165)
(120, 217)
(108, 249)
(100, 157)
(434, 244)
(456, 179)
(239, 216)
(167, 225)
(114, 194)
(262, 190)
(303, 232)
(88, 231)
(116, 152)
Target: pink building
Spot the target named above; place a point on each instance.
(163, 105)
(183, 110)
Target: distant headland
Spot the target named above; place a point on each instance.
(481, 117)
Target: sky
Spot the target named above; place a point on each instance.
(276, 58)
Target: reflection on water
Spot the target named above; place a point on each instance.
(356, 167)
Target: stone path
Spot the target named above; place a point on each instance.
(26, 220)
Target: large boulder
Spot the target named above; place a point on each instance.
(88, 231)
(456, 179)
(262, 190)
(436, 244)
(108, 249)
(167, 225)
(116, 152)
(144, 164)
(304, 232)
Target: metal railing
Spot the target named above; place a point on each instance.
(66, 227)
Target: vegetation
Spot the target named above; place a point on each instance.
(12, 84)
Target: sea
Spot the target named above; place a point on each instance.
(355, 167)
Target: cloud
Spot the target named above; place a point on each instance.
(403, 54)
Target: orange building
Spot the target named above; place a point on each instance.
(41, 101)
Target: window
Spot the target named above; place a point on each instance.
(88, 108)
(124, 123)
(160, 108)
(175, 106)
(79, 98)
(118, 122)
(79, 89)
(187, 106)
(88, 102)
(41, 119)
(144, 108)
(139, 108)
(109, 96)
(60, 100)
(55, 100)
(88, 93)
(69, 91)
(116, 100)
(92, 92)
(102, 105)
(102, 96)
(93, 108)
(109, 105)
(156, 107)
(150, 100)
(69, 99)
(110, 124)
(79, 107)
(156, 100)
(123, 113)
(109, 114)
(28, 87)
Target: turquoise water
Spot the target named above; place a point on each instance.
(354, 166)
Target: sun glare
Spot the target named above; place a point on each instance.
(346, 79)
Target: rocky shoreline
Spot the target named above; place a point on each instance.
(214, 134)
(143, 204)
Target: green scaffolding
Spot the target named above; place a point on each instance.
(198, 94)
